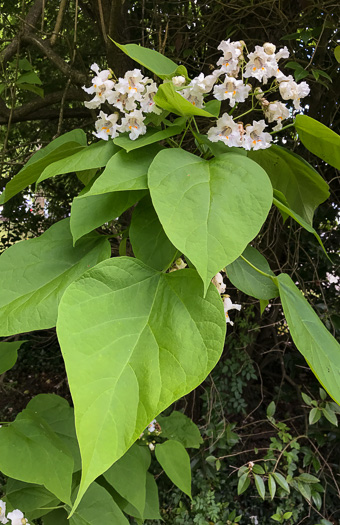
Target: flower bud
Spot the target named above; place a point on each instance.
(269, 48)
(151, 447)
(178, 81)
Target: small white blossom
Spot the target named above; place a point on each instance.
(269, 48)
(282, 53)
(261, 65)
(290, 90)
(276, 111)
(121, 101)
(106, 126)
(255, 138)
(232, 53)
(133, 83)
(17, 518)
(178, 81)
(151, 447)
(133, 123)
(146, 103)
(227, 131)
(152, 426)
(232, 90)
(3, 518)
(202, 84)
(228, 305)
(192, 96)
(101, 86)
(217, 280)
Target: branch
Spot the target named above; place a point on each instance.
(28, 110)
(59, 22)
(49, 114)
(76, 76)
(30, 21)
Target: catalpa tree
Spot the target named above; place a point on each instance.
(139, 332)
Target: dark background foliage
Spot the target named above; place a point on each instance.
(61, 39)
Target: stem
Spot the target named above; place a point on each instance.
(259, 271)
(284, 127)
(185, 132)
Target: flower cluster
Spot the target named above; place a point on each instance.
(132, 95)
(217, 280)
(16, 516)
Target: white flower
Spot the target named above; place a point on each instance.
(146, 103)
(133, 123)
(106, 126)
(151, 447)
(255, 138)
(276, 111)
(261, 65)
(202, 84)
(195, 98)
(178, 81)
(133, 83)
(227, 131)
(290, 90)
(101, 86)
(217, 280)
(121, 101)
(232, 89)
(17, 518)
(152, 426)
(282, 53)
(232, 52)
(3, 518)
(254, 520)
(228, 305)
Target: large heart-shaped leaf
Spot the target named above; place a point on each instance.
(148, 239)
(313, 340)
(40, 455)
(59, 148)
(29, 498)
(290, 174)
(319, 139)
(175, 461)
(134, 340)
(210, 210)
(35, 273)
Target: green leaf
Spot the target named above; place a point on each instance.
(25, 65)
(323, 74)
(280, 480)
(35, 273)
(317, 500)
(243, 483)
(145, 346)
(151, 509)
(277, 200)
(323, 394)
(314, 416)
(168, 98)
(86, 176)
(29, 498)
(210, 210)
(128, 476)
(248, 280)
(276, 517)
(271, 409)
(91, 211)
(56, 411)
(28, 78)
(148, 239)
(311, 337)
(159, 64)
(307, 478)
(96, 155)
(125, 171)
(287, 515)
(40, 455)
(330, 415)
(97, 507)
(34, 89)
(290, 174)
(306, 398)
(9, 354)
(59, 148)
(151, 136)
(263, 305)
(260, 486)
(304, 489)
(300, 73)
(175, 461)
(337, 53)
(56, 517)
(319, 139)
(257, 469)
(181, 428)
(271, 486)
